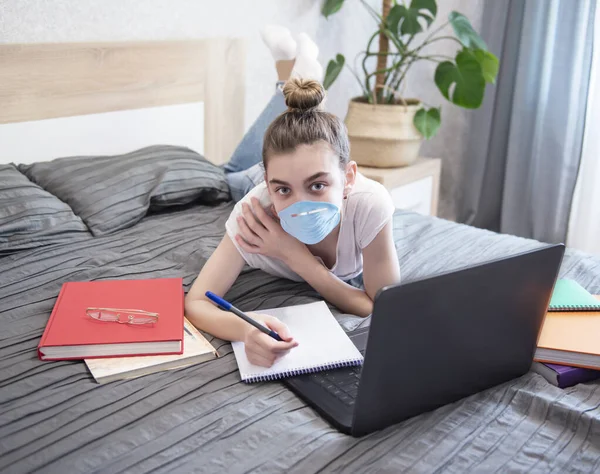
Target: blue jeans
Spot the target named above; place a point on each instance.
(244, 169)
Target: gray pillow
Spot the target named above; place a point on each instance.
(31, 217)
(115, 192)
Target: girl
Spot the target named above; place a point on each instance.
(313, 218)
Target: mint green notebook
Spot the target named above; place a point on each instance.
(569, 295)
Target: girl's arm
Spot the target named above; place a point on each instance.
(380, 262)
(344, 296)
(218, 275)
(262, 235)
(380, 268)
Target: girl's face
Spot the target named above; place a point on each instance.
(309, 173)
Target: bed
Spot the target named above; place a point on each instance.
(55, 418)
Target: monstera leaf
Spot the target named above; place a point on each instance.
(467, 78)
(334, 68)
(465, 32)
(489, 65)
(331, 6)
(428, 122)
(407, 21)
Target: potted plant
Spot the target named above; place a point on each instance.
(386, 129)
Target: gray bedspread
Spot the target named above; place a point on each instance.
(55, 418)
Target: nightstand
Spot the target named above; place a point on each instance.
(414, 188)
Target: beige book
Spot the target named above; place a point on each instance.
(196, 349)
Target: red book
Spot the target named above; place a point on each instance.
(71, 333)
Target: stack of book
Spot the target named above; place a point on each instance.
(123, 328)
(568, 349)
(128, 328)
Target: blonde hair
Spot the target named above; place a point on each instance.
(304, 123)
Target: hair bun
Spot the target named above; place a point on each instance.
(303, 95)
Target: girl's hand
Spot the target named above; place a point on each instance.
(261, 234)
(263, 350)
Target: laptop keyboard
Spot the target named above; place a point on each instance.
(342, 384)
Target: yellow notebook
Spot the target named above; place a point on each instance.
(570, 338)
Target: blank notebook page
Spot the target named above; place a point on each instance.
(322, 344)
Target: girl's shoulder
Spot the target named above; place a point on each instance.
(367, 191)
(369, 208)
(259, 192)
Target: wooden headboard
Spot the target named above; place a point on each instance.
(42, 81)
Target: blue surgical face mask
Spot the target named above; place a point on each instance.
(310, 221)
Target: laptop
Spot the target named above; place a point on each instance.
(434, 341)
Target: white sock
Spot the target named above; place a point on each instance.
(280, 41)
(306, 46)
(306, 65)
(307, 68)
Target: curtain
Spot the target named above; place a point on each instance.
(525, 143)
(584, 223)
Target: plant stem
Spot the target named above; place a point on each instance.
(366, 73)
(414, 54)
(397, 85)
(383, 71)
(427, 43)
(393, 77)
(401, 51)
(388, 53)
(398, 44)
(364, 67)
(435, 31)
(372, 11)
(432, 58)
(371, 54)
(364, 91)
(409, 41)
(392, 95)
(391, 80)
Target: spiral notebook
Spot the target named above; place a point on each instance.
(322, 345)
(568, 295)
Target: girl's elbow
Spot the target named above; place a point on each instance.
(367, 307)
(187, 302)
(370, 295)
(195, 312)
(190, 305)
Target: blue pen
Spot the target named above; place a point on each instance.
(229, 307)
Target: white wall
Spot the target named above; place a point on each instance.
(31, 21)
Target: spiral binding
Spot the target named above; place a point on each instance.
(576, 307)
(303, 371)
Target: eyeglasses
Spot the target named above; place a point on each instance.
(122, 316)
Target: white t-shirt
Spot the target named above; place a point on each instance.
(365, 212)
